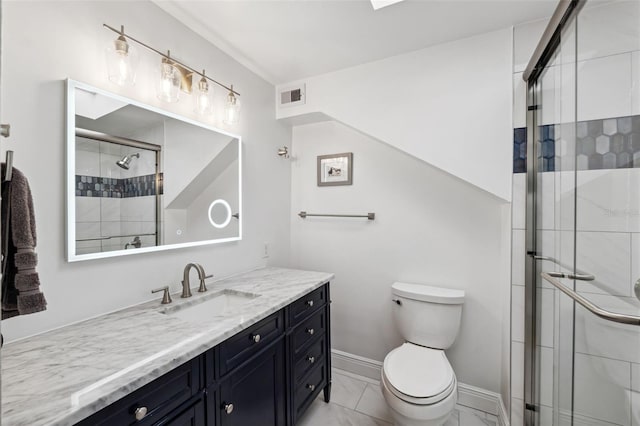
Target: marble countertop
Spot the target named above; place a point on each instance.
(64, 375)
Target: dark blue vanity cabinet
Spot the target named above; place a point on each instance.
(266, 375)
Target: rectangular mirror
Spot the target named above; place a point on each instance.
(140, 179)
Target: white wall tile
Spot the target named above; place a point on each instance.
(110, 229)
(87, 163)
(110, 209)
(604, 338)
(606, 256)
(635, 90)
(519, 201)
(635, 259)
(546, 376)
(519, 101)
(517, 370)
(525, 40)
(517, 412)
(87, 209)
(131, 228)
(602, 389)
(87, 230)
(608, 200)
(518, 253)
(517, 313)
(608, 29)
(547, 313)
(546, 202)
(604, 87)
(108, 167)
(635, 377)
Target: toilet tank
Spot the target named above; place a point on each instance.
(426, 315)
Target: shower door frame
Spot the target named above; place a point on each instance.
(565, 12)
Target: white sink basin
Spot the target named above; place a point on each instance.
(219, 303)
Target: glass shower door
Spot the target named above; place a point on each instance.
(584, 235)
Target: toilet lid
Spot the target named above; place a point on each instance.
(419, 372)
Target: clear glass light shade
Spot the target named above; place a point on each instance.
(203, 97)
(122, 61)
(168, 83)
(232, 109)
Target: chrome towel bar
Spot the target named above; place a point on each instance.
(609, 316)
(370, 216)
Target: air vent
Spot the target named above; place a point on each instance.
(291, 96)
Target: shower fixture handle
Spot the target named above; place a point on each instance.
(166, 297)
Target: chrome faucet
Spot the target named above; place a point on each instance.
(186, 285)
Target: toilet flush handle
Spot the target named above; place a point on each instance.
(397, 302)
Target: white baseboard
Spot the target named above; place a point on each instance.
(469, 396)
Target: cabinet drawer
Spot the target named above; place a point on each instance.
(157, 398)
(307, 359)
(193, 415)
(243, 345)
(308, 389)
(301, 308)
(308, 330)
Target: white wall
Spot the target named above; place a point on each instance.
(430, 227)
(449, 105)
(46, 42)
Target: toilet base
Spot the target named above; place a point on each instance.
(407, 414)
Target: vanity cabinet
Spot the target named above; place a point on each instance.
(267, 374)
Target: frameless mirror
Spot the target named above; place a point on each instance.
(140, 179)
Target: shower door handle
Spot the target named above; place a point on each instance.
(579, 277)
(552, 278)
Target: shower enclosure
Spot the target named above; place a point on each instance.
(582, 327)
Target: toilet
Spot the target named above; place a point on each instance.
(418, 382)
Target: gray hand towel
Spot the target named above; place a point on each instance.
(20, 282)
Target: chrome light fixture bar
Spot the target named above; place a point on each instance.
(170, 60)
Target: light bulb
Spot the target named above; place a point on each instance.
(232, 109)
(204, 105)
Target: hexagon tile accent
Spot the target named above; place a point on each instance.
(612, 143)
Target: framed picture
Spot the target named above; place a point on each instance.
(336, 169)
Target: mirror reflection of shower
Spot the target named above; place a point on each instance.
(126, 160)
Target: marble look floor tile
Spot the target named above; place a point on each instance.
(454, 420)
(472, 419)
(373, 404)
(323, 414)
(346, 391)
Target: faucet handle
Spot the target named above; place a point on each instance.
(203, 286)
(166, 297)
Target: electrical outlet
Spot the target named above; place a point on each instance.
(265, 252)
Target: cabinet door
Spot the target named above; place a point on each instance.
(254, 393)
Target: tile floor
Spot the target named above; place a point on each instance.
(357, 401)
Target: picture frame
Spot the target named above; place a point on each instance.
(335, 169)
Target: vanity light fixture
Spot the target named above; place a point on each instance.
(232, 109)
(122, 59)
(175, 76)
(204, 103)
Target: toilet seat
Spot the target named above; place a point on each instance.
(418, 375)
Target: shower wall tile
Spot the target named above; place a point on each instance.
(608, 200)
(608, 30)
(547, 314)
(148, 227)
(518, 253)
(635, 378)
(635, 258)
(519, 201)
(110, 229)
(601, 389)
(519, 101)
(606, 256)
(108, 167)
(109, 208)
(87, 163)
(517, 370)
(604, 87)
(517, 412)
(635, 90)
(87, 209)
(546, 376)
(86, 230)
(546, 203)
(517, 313)
(596, 336)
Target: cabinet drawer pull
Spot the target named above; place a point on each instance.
(311, 387)
(140, 413)
(310, 303)
(228, 408)
(311, 359)
(310, 331)
(255, 338)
